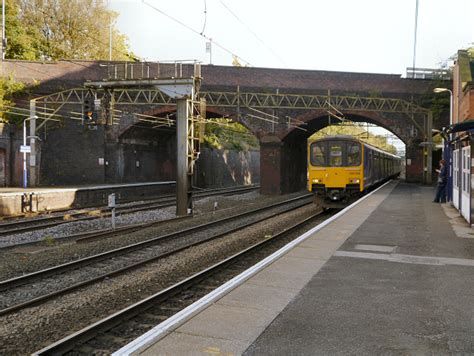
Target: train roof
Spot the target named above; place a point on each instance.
(354, 139)
(338, 137)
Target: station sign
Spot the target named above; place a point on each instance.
(25, 149)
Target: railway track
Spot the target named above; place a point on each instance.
(113, 332)
(38, 287)
(87, 236)
(43, 222)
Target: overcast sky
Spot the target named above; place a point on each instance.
(342, 35)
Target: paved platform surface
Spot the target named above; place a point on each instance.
(20, 191)
(394, 275)
(14, 201)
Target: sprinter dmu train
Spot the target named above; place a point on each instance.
(341, 168)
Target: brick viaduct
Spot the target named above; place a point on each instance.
(283, 146)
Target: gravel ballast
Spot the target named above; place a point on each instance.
(33, 328)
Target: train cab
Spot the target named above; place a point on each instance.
(340, 168)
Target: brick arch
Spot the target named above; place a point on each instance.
(315, 120)
(284, 154)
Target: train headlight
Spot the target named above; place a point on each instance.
(316, 180)
(355, 181)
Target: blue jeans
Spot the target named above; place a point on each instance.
(440, 194)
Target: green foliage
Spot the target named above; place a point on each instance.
(470, 52)
(437, 139)
(358, 131)
(20, 43)
(8, 88)
(49, 240)
(226, 134)
(56, 29)
(438, 103)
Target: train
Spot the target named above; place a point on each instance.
(342, 168)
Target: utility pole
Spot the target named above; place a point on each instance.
(185, 91)
(183, 178)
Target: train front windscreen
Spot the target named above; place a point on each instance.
(335, 154)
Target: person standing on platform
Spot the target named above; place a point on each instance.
(442, 182)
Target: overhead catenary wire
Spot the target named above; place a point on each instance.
(148, 119)
(262, 118)
(253, 33)
(262, 112)
(161, 123)
(415, 37)
(196, 32)
(205, 18)
(72, 61)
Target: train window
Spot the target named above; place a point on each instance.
(353, 154)
(335, 154)
(318, 153)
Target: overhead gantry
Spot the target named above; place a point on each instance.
(164, 85)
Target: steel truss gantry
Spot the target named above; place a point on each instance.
(250, 99)
(239, 100)
(182, 92)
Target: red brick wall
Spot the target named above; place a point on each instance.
(270, 168)
(75, 73)
(466, 110)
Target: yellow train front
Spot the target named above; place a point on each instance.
(341, 168)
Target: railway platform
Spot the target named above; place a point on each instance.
(15, 201)
(391, 274)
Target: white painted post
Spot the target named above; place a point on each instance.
(112, 205)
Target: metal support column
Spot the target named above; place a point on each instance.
(183, 186)
(108, 106)
(33, 171)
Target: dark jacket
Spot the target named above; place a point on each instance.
(443, 176)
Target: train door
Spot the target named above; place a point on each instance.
(456, 178)
(466, 183)
(367, 166)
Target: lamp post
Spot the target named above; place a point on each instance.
(451, 97)
(448, 149)
(24, 150)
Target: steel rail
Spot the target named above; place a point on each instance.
(16, 281)
(87, 236)
(130, 267)
(51, 221)
(68, 343)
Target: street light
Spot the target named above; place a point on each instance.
(442, 90)
(24, 150)
(450, 190)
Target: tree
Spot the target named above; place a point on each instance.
(358, 131)
(20, 43)
(8, 88)
(63, 29)
(224, 133)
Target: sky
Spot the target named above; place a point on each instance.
(372, 36)
(375, 36)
